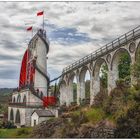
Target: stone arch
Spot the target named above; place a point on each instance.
(63, 92)
(116, 56)
(96, 74)
(18, 98)
(11, 115)
(72, 95)
(14, 99)
(18, 118)
(132, 47)
(97, 66)
(114, 73)
(82, 76)
(83, 73)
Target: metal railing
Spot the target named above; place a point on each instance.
(43, 70)
(42, 33)
(108, 47)
(26, 104)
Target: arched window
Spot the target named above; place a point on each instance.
(18, 98)
(24, 99)
(14, 100)
(17, 117)
(11, 115)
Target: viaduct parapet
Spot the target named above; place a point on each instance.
(108, 54)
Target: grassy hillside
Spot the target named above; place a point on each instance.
(15, 133)
(5, 95)
(5, 91)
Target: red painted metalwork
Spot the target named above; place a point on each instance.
(23, 72)
(50, 100)
(27, 71)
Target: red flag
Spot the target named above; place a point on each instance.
(29, 28)
(40, 13)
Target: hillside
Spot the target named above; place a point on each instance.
(114, 116)
(5, 91)
(5, 94)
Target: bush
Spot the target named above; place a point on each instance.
(120, 100)
(128, 126)
(8, 125)
(78, 119)
(100, 98)
(22, 132)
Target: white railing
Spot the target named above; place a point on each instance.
(108, 47)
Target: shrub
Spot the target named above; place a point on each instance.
(100, 98)
(8, 125)
(22, 132)
(128, 126)
(79, 118)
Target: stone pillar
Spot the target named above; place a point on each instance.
(112, 77)
(78, 91)
(91, 90)
(82, 89)
(133, 79)
(63, 94)
(69, 94)
(96, 85)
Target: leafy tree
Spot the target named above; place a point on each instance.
(75, 92)
(135, 68)
(124, 66)
(103, 77)
(87, 88)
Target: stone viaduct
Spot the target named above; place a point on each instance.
(108, 54)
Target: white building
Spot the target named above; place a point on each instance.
(39, 116)
(33, 83)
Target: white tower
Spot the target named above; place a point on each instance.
(39, 52)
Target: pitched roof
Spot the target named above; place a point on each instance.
(44, 113)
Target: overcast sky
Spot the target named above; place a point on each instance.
(74, 29)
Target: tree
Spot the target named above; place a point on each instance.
(124, 66)
(103, 77)
(135, 68)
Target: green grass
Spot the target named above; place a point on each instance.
(93, 115)
(15, 133)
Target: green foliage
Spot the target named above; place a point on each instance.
(79, 118)
(128, 125)
(22, 132)
(8, 125)
(3, 108)
(124, 66)
(87, 89)
(95, 115)
(75, 92)
(100, 98)
(92, 115)
(135, 69)
(104, 76)
(15, 133)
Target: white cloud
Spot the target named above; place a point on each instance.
(99, 21)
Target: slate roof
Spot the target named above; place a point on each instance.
(44, 113)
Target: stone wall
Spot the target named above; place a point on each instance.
(111, 60)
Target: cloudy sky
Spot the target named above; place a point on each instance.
(74, 29)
